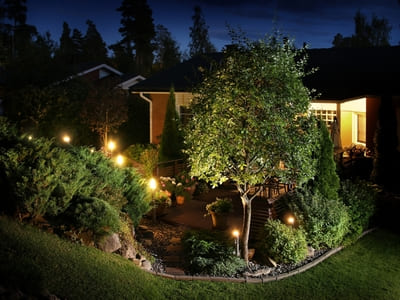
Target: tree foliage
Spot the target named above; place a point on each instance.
(171, 138)
(105, 109)
(138, 32)
(249, 116)
(199, 39)
(367, 34)
(326, 180)
(167, 49)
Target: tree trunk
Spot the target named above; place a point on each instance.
(246, 227)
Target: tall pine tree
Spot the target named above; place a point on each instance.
(167, 49)
(171, 140)
(94, 47)
(200, 41)
(138, 32)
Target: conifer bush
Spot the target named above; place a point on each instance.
(282, 243)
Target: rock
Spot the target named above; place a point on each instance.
(110, 243)
(146, 265)
(128, 251)
(271, 262)
(310, 251)
(258, 273)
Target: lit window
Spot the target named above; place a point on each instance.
(361, 128)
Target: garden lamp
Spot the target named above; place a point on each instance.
(236, 235)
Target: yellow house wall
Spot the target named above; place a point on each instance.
(346, 125)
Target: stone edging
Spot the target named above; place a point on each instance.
(261, 279)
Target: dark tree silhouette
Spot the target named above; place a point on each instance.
(167, 49)
(138, 32)
(94, 47)
(200, 41)
(373, 34)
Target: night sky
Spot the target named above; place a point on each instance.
(313, 21)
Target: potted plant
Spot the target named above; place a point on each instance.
(219, 210)
(181, 194)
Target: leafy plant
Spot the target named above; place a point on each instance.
(211, 254)
(282, 243)
(325, 221)
(360, 199)
(220, 206)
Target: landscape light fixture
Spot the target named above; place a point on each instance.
(290, 220)
(120, 160)
(66, 138)
(153, 186)
(235, 233)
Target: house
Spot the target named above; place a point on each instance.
(351, 83)
(93, 72)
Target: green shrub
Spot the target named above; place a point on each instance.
(39, 177)
(95, 215)
(134, 151)
(220, 206)
(324, 221)
(135, 192)
(282, 243)
(106, 181)
(211, 253)
(360, 199)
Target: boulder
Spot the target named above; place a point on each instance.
(128, 251)
(310, 251)
(146, 265)
(110, 243)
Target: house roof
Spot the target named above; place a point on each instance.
(342, 73)
(182, 76)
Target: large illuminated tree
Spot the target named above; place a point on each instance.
(249, 116)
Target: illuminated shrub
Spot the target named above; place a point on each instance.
(95, 215)
(211, 253)
(325, 221)
(359, 198)
(282, 243)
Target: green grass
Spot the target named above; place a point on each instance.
(34, 260)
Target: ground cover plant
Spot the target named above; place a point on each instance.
(34, 261)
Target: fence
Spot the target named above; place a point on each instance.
(170, 168)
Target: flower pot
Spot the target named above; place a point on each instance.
(219, 221)
(180, 200)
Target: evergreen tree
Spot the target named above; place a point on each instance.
(138, 32)
(200, 41)
(94, 47)
(171, 141)
(77, 41)
(326, 180)
(373, 34)
(65, 52)
(167, 49)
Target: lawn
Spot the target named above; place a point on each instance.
(35, 260)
